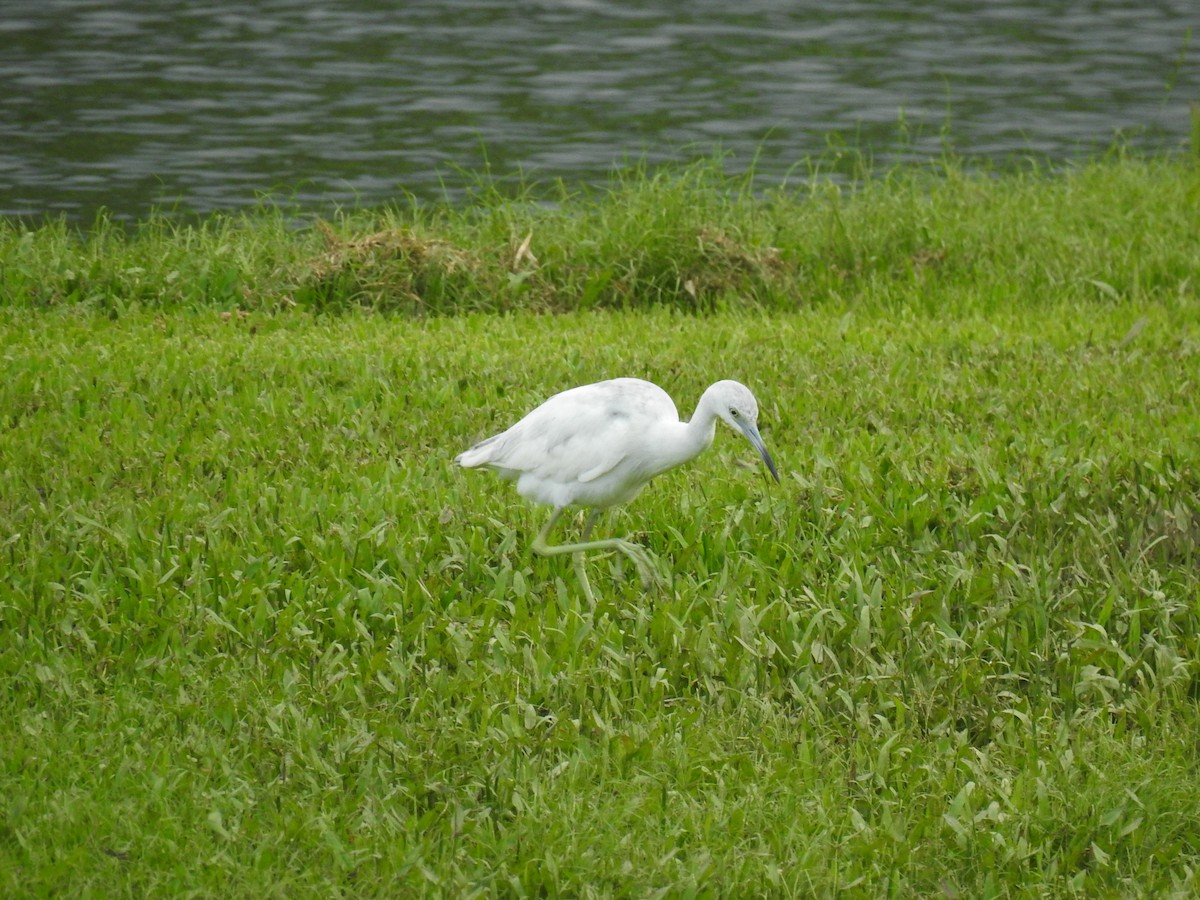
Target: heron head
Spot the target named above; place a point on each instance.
(735, 404)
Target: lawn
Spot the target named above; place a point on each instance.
(260, 637)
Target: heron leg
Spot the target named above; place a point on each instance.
(577, 557)
(542, 548)
(635, 553)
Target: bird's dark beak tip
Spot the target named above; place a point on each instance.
(771, 466)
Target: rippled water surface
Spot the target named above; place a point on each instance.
(209, 106)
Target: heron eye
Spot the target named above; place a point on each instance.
(733, 412)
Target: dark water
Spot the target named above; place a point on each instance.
(202, 106)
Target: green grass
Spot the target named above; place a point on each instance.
(258, 636)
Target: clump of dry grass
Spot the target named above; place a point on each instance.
(395, 268)
(725, 264)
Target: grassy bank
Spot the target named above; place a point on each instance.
(259, 637)
(1124, 229)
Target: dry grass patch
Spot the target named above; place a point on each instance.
(395, 269)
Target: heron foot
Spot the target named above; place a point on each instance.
(647, 572)
(641, 558)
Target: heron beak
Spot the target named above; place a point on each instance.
(756, 440)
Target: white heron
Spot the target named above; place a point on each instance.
(598, 445)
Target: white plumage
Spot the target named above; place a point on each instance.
(598, 445)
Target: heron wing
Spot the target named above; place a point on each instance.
(580, 434)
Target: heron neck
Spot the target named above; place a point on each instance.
(697, 435)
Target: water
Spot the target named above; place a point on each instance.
(198, 107)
